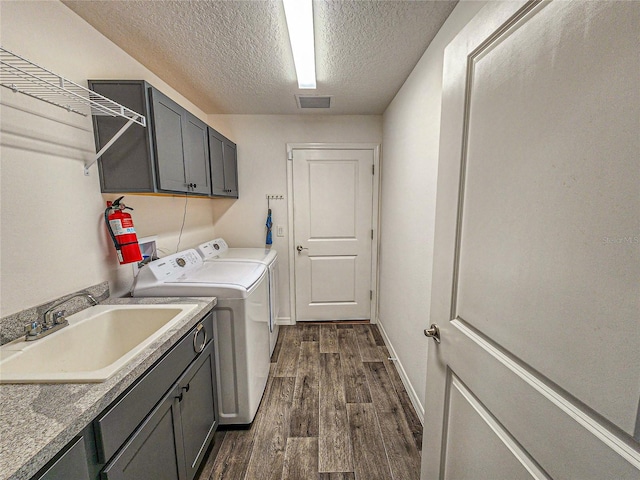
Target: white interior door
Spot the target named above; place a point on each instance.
(332, 198)
(536, 266)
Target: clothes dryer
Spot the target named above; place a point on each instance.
(240, 333)
(217, 250)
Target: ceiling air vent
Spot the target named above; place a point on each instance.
(313, 101)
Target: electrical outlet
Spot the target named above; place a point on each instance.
(280, 231)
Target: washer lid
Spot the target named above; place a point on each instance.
(243, 275)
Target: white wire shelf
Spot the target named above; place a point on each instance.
(23, 76)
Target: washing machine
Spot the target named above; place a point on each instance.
(217, 250)
(240, 332)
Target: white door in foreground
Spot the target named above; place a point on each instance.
(537, 250)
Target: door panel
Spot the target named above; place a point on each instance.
(519, 170)
(196, 155)
(333, 198)
(333, 209)
(535, 266)
(168, 119)
(343, 272)
(478, 447)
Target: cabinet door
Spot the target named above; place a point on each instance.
(197, 409)
(196, 155)
(168, 127)
(127, 165)
(72, 463)
(154, 450)
(230, 169)
(216, 155)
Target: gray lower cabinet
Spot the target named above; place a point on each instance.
(154, 450)
(172, 441)
(224, 165)
(160, 428)
(170, 155)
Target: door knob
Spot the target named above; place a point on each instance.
(433, 331)
(299, 248)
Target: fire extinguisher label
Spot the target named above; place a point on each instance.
(122, 227)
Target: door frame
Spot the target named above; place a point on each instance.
(375, 217)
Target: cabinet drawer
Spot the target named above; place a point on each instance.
(117, 422)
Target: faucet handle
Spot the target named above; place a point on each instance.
(58, 317)
(32, 329)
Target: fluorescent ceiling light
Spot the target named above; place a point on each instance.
(299, 15)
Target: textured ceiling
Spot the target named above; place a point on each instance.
(231, 56)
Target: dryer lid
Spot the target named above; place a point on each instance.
(217, 249)
(264, 255)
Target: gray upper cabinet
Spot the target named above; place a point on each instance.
(181, 147)
(224, 165)
(171, 155)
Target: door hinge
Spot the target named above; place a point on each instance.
(373, 169)
(372, 234)
(290, 155)
(370, 294)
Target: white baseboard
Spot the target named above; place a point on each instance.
(403, 375)
(284, 321)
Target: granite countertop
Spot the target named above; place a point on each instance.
(37, 420)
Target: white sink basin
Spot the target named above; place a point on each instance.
(98, 342)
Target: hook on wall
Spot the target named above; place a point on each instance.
(273, 197)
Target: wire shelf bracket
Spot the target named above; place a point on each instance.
(23, 76)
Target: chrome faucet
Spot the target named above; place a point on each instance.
(52, 319)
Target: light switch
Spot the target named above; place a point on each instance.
(280, 231)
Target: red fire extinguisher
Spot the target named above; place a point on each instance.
(122, 231)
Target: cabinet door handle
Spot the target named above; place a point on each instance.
(196, 347)
(183, 390)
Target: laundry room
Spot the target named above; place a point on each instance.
(442, 172)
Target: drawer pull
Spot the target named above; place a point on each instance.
(196, 347)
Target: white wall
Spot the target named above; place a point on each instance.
(53, 239)
(411, 126)
(262, 170)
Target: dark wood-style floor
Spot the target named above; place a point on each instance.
(334, 408)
